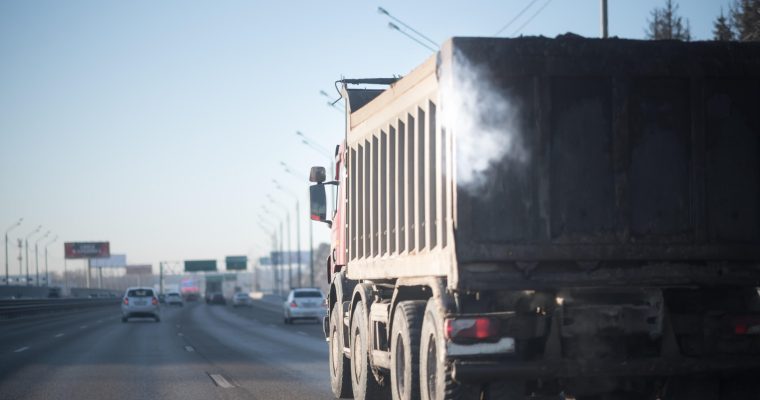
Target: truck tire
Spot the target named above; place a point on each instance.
(405, 350)
(363, 382)
(340, 365)
(436, 382)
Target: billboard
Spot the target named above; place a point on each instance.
(189, 285)
(200, 265)
(87, 249)
(142, 269)
(115, 261)
(236, 263)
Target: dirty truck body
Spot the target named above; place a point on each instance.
(536, 216)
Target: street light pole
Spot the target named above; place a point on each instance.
(331, 162)
(298, 228)
(47, 276)
(272, 233)
(7, 274)
(605, 34)
(290, 256)
(311, 232)
(281, 249)
(26, 251)
(37, 259)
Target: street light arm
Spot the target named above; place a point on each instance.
(282, 189)
(10, 228)
(51, 242)
(307, 141)
(43, 237)
(35, 231)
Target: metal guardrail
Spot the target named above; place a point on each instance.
(14, 308)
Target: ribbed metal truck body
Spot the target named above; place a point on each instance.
(565, 218)
(617, 156)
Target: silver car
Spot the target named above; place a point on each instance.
(306, 303)
(140, 302)
(241, 299)
(174, 299)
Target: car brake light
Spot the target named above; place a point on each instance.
(467, 330)
(293, 304)
(749, 325)
(154, 301)
(126, 301)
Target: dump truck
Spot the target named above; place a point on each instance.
(548, 218)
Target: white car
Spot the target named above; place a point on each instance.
(139, 302)
(174, 298)
(305, 303)
(241, 299)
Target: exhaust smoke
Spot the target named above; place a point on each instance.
(483, 120)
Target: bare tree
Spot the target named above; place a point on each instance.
(667, 25)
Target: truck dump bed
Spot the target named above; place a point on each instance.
(532, 162)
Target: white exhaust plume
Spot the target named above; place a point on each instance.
(483, 120)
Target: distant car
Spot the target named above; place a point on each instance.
(305, 303)
(215, 298)
(191, 296)
(140, 302)
(241, 299)
(174, 299)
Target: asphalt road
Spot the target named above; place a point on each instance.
(196, 352)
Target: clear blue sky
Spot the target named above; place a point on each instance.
(159, 125)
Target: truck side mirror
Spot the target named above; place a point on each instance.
(318, 202)
(317, 175)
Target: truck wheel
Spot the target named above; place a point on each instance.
(363, 381)
(340, 365)
(436, 382)
(405, 350)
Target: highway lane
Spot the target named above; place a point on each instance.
(196, 352)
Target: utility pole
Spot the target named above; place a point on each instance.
(311, 254)
(7, 274)
(604, 19)
(282, 291)
(161, 277)
(26, 255)
(47, 276)
(37, 259)
(20, 259)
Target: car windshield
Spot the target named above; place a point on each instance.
(307, 293)
(140, 293)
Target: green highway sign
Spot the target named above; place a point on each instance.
(236, 263)
(200, 265)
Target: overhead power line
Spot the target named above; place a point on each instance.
(418, 33)
(531, 18)
(391, 25)
(512, 21)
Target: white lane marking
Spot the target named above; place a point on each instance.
(302, 333)
(189, 349)
(220, 381)
(21, 349)
(83, 327)
(58, 335)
